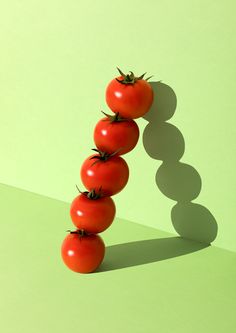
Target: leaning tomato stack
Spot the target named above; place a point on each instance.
(105, 173)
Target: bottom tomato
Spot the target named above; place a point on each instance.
(82, 252)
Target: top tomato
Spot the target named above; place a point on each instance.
(131, 96)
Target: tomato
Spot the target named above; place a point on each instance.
(131, 96)
(109, 171)
(91, 212)
(113, 132)
(81, 252)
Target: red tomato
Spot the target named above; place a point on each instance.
(82, 253)
(92, 213)
(113, 132)
(111, 173)
(131, 96)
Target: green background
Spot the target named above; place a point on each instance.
(56, 60)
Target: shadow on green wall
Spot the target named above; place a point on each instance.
(147, 251)
(176, 180)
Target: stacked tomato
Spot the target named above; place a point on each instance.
(105, 173)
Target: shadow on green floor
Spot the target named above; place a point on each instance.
(147, 251)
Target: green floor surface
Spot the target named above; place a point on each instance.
(150, 281)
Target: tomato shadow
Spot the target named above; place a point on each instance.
(178, 181)
(146, 251)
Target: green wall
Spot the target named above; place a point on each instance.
(56, 60)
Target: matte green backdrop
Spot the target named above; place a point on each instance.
(57, 58)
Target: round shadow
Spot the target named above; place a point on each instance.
(163, 141)
(194, 221)
(178, 181)
(164, 103)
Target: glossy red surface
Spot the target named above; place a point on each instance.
(110, 136)
(82, 254)
(112, 175)
(92, 215)
(130, 100)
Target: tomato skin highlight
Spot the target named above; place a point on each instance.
(82, 254)
(92, 215)
(111, 175)
(130, 100)
(110, 136)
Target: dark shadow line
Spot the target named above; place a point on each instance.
(147, 251)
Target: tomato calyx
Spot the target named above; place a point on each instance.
(80, 232)
(93, 195)
(131, 78)
(114, 118)
(103, 155)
